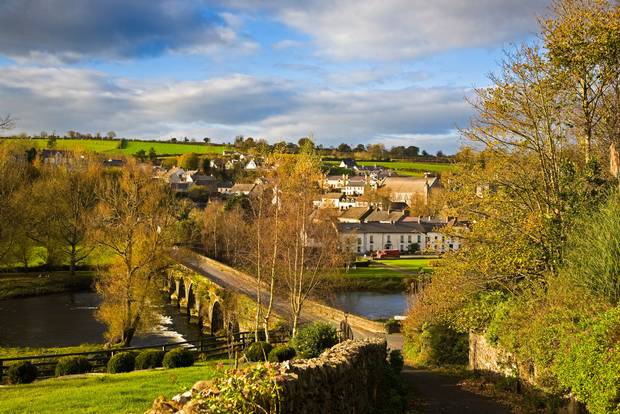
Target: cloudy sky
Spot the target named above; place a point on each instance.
(390, 71)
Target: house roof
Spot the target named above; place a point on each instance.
(399, 227)
(355, 213)
(409, 184)
(242, 188)
(349, 162)
(398, 206)
(384, 216)
(357, 181)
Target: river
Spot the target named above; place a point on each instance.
(68, 319)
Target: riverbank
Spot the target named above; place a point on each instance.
(24, 284)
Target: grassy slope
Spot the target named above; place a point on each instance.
(133, 392)
(414, 265)
(410, 167)
(110, 146)
(22, 352)
(31, 284)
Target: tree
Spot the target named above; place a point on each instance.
(111, 134)
(135, 223)
(376, 151)
(152, 155)
(306, 142)
(189, 161)
(207, 140)
(360, 148)
(140, 155)
(7, 122)
(344, 147)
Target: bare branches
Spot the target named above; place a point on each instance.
(7, 122)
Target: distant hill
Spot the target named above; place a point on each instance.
(110, 147)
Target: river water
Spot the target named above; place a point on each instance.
(68, 319)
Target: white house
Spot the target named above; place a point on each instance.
(408, 189)
(401, 235)
(355, 186)
(251, 165)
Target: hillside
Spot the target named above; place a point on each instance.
(111, 146)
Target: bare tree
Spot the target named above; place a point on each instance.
(7, 122)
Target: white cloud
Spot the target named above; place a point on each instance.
(404, 29)
(61, 99)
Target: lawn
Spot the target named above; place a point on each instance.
(371, 272)
(133, 392)
(413, 265)
(38, 283)
(110, 147)
(22, 352)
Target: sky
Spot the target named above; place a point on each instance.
(396, 72)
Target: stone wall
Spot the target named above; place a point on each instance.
(485, 357)
(348, 378)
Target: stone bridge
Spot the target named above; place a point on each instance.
(220, 297)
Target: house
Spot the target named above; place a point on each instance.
(224, 187)
(242, 189)
(329, 200)
(355, 186)
(206, 181)
(175, 175)
(410, 189)
(251, 165)
(348, 163)
(404, 235)
(335, 182)
(398, 206)
(53, 156)
(354, 215)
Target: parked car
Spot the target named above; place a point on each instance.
(387, 254)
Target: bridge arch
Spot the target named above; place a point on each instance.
(217, 317)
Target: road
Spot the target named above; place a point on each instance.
(236, 281)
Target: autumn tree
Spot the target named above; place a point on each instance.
(136, 224)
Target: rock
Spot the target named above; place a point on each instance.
(182, 399)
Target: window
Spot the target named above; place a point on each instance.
(371, 238)
(389, 238)
(419, 239)
(409, 238)
(402, 238)
(359, 249)
(359, 240)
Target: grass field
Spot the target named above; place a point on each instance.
(20, 352)
(409, 167)
(39, 283)
(132, 392)
(110, 147)
(413, 265)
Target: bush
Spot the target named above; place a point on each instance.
(178, 358)
(150, 358)
(258, 351)
(122, 362)
(72, 366)
(396, 360)
(313, 339)
(437, 345)
(282, 353)
(392, 326)
(22, 373)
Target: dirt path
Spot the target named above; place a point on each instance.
(431, 393)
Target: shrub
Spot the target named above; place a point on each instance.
(396, 360)
(437, 345)
(122, 362)
(313, 339)
(22, 372)
(150, 358)
(258, 351)
(282, 353)
(178, 358)
(392, 326)
(72, 365)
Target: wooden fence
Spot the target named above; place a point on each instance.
(206, 347)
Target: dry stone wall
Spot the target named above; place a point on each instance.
(348, 378)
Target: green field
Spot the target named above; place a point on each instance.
(20, 352)
(110, 147)
(133, 392)
(411, 265)
(397, 268)
(410, 167)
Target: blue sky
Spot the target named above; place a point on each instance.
(390, 71)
